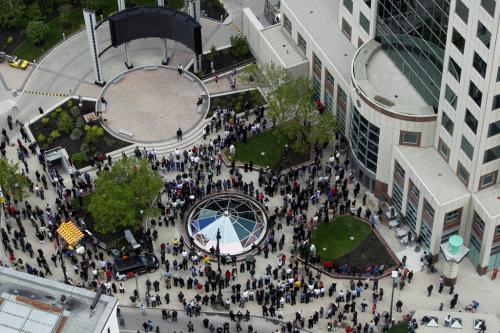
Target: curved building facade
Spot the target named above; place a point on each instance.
(386, 110)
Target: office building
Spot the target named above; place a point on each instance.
(415, 87)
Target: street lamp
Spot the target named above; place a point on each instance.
(394, 277)
(219, 272)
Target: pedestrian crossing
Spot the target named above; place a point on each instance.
(45, 93)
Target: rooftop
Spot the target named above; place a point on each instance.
(383, 83)
(319, 19)
(287, 51)
(434, 173)
(489, 199)
(29, 303)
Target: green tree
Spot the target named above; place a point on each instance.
(65, 123)
(33, 13)
(240, 45)
(11, 14)
(94, 4)
(292, 108)
(213, 53)
(36, 31)
(121, 193)
(64, 11)
(13, 183)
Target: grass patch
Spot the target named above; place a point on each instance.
(365, 250)
(336, 237)
(264, 150)
(401, 327)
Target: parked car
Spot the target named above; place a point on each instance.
(144, 263)
(18, 63)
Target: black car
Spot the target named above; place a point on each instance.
(140, 264)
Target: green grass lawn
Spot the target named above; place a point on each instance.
(401, 327)
(253, 149)
(336, 237)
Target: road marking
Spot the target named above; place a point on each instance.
(44, 93)
(235, 27)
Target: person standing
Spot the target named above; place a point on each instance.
(179, 134)
(429, 290)
(180, 69)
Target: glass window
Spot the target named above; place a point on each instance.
(467, 148)
(454, 69)
(428, 209)
(496, 102)
(479, 64)
(462, 11)
(330, 79)
(471, 121)
(492, 154)
(444, 149)
(463, 174)
(316, 63)
(348, 5)
(302, 43)
(489, 6)
(366, 150)
(368, 3)
(409, 138)
(364, 23)
(458, 40)
(346, 29)
(488, 180)
(478, 222)
(447, 123)
(494, 128)
(475, 93)
(450, 97)
(483, 34)
(452, 216)
(287, 24)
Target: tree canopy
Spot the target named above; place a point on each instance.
(293, 110)
(13, 183)
(121, 193)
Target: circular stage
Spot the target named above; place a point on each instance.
(148, 104)
(242, 222)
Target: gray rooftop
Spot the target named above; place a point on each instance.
(383, 83)
(434, 173)
(287, 51)
(489, 199)
(27, 299)
(319, 19)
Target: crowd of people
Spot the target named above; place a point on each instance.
(296, 201)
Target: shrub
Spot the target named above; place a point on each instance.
(54, 135)
(41, 138)
(65, 123)
(79, 158)
(69, 104)
(76, 134)
(86, 148)
(36, 31)
(213, 53)
(45, 121)
(75, 111)
(53, 114)
(10, 40)
(50, 140)
(240, 45)
(59, 110)
(80, 123)
(64, 11)
(93, 134)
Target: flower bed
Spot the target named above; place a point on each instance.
(237, 101)
(65, 127)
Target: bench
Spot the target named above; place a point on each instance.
(125, 132)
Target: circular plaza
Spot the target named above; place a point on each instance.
(242, 223)
(148, 104)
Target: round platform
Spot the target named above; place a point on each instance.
(242, 222)
(148, 104)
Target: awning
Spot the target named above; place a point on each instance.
(70, 233)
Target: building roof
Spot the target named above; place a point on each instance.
(461, 322)
(489, 199)
(319, 18)
(30, 303)
(283, 46)
(382, 82)
(434, 173)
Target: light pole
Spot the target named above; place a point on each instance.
(394, 277)
(219, 272)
